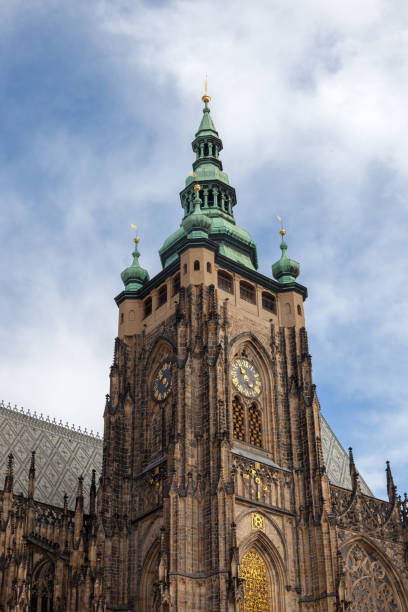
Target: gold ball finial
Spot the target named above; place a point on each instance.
(136, 239)
(282, 231)
(206, 98)
(197, 187)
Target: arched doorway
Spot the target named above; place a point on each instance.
(369, 584)
(149, 584)
(42, 589)
(256, 587)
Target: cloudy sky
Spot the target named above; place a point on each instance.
(99, 102)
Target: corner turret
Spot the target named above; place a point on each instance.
(134, 276)
(285, 270)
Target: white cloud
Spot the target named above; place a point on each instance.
(319, 91)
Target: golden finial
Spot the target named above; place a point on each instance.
(136, 239)
(206, 98)
(197, 187)
(193, 174)
(282, 231)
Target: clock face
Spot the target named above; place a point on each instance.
(162, 382)
(246, 378)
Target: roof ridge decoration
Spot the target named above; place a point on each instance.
(46, 419)
(217, 199)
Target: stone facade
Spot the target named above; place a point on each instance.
(214, 493)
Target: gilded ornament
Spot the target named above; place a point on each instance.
(256, 587)
(257, 522)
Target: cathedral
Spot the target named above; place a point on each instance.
(218, 486)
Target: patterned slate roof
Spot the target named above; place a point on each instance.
(337, 460)
(63, 454)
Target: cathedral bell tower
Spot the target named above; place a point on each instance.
(214, 494)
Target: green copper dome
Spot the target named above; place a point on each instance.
(134, 276)
(208, 211)
(285, 270)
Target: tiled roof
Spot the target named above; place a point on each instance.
(63, 454)
(337, 460)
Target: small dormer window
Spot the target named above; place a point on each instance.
(225, 282)
(268, 302)
(148, 307)
(176, 284)
(247, 292)
(162, 296)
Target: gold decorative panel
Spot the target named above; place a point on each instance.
(238, 419)
(368, 584)
(255, 426)
(256, 586)
(257, 521)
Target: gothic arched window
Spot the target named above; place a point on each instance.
(255, 426)
(256, 587)
(368, 584)
(247, 423)
(238, 417)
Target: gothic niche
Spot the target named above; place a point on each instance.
(42, 590)
(253, 571)
(367, 583)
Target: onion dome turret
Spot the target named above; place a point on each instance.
(285, 270)
(134, 276)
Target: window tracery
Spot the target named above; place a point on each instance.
(255, 426)
(368, 583)
(256, 587)
(238, 419)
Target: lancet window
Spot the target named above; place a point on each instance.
(238, 414)
(247, 422)
(254, 425)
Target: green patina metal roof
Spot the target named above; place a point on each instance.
(207, 127)
(134, 276)
(285, 270)
(208, 201)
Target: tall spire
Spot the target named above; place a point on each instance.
(216, 201)
(207, 127)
